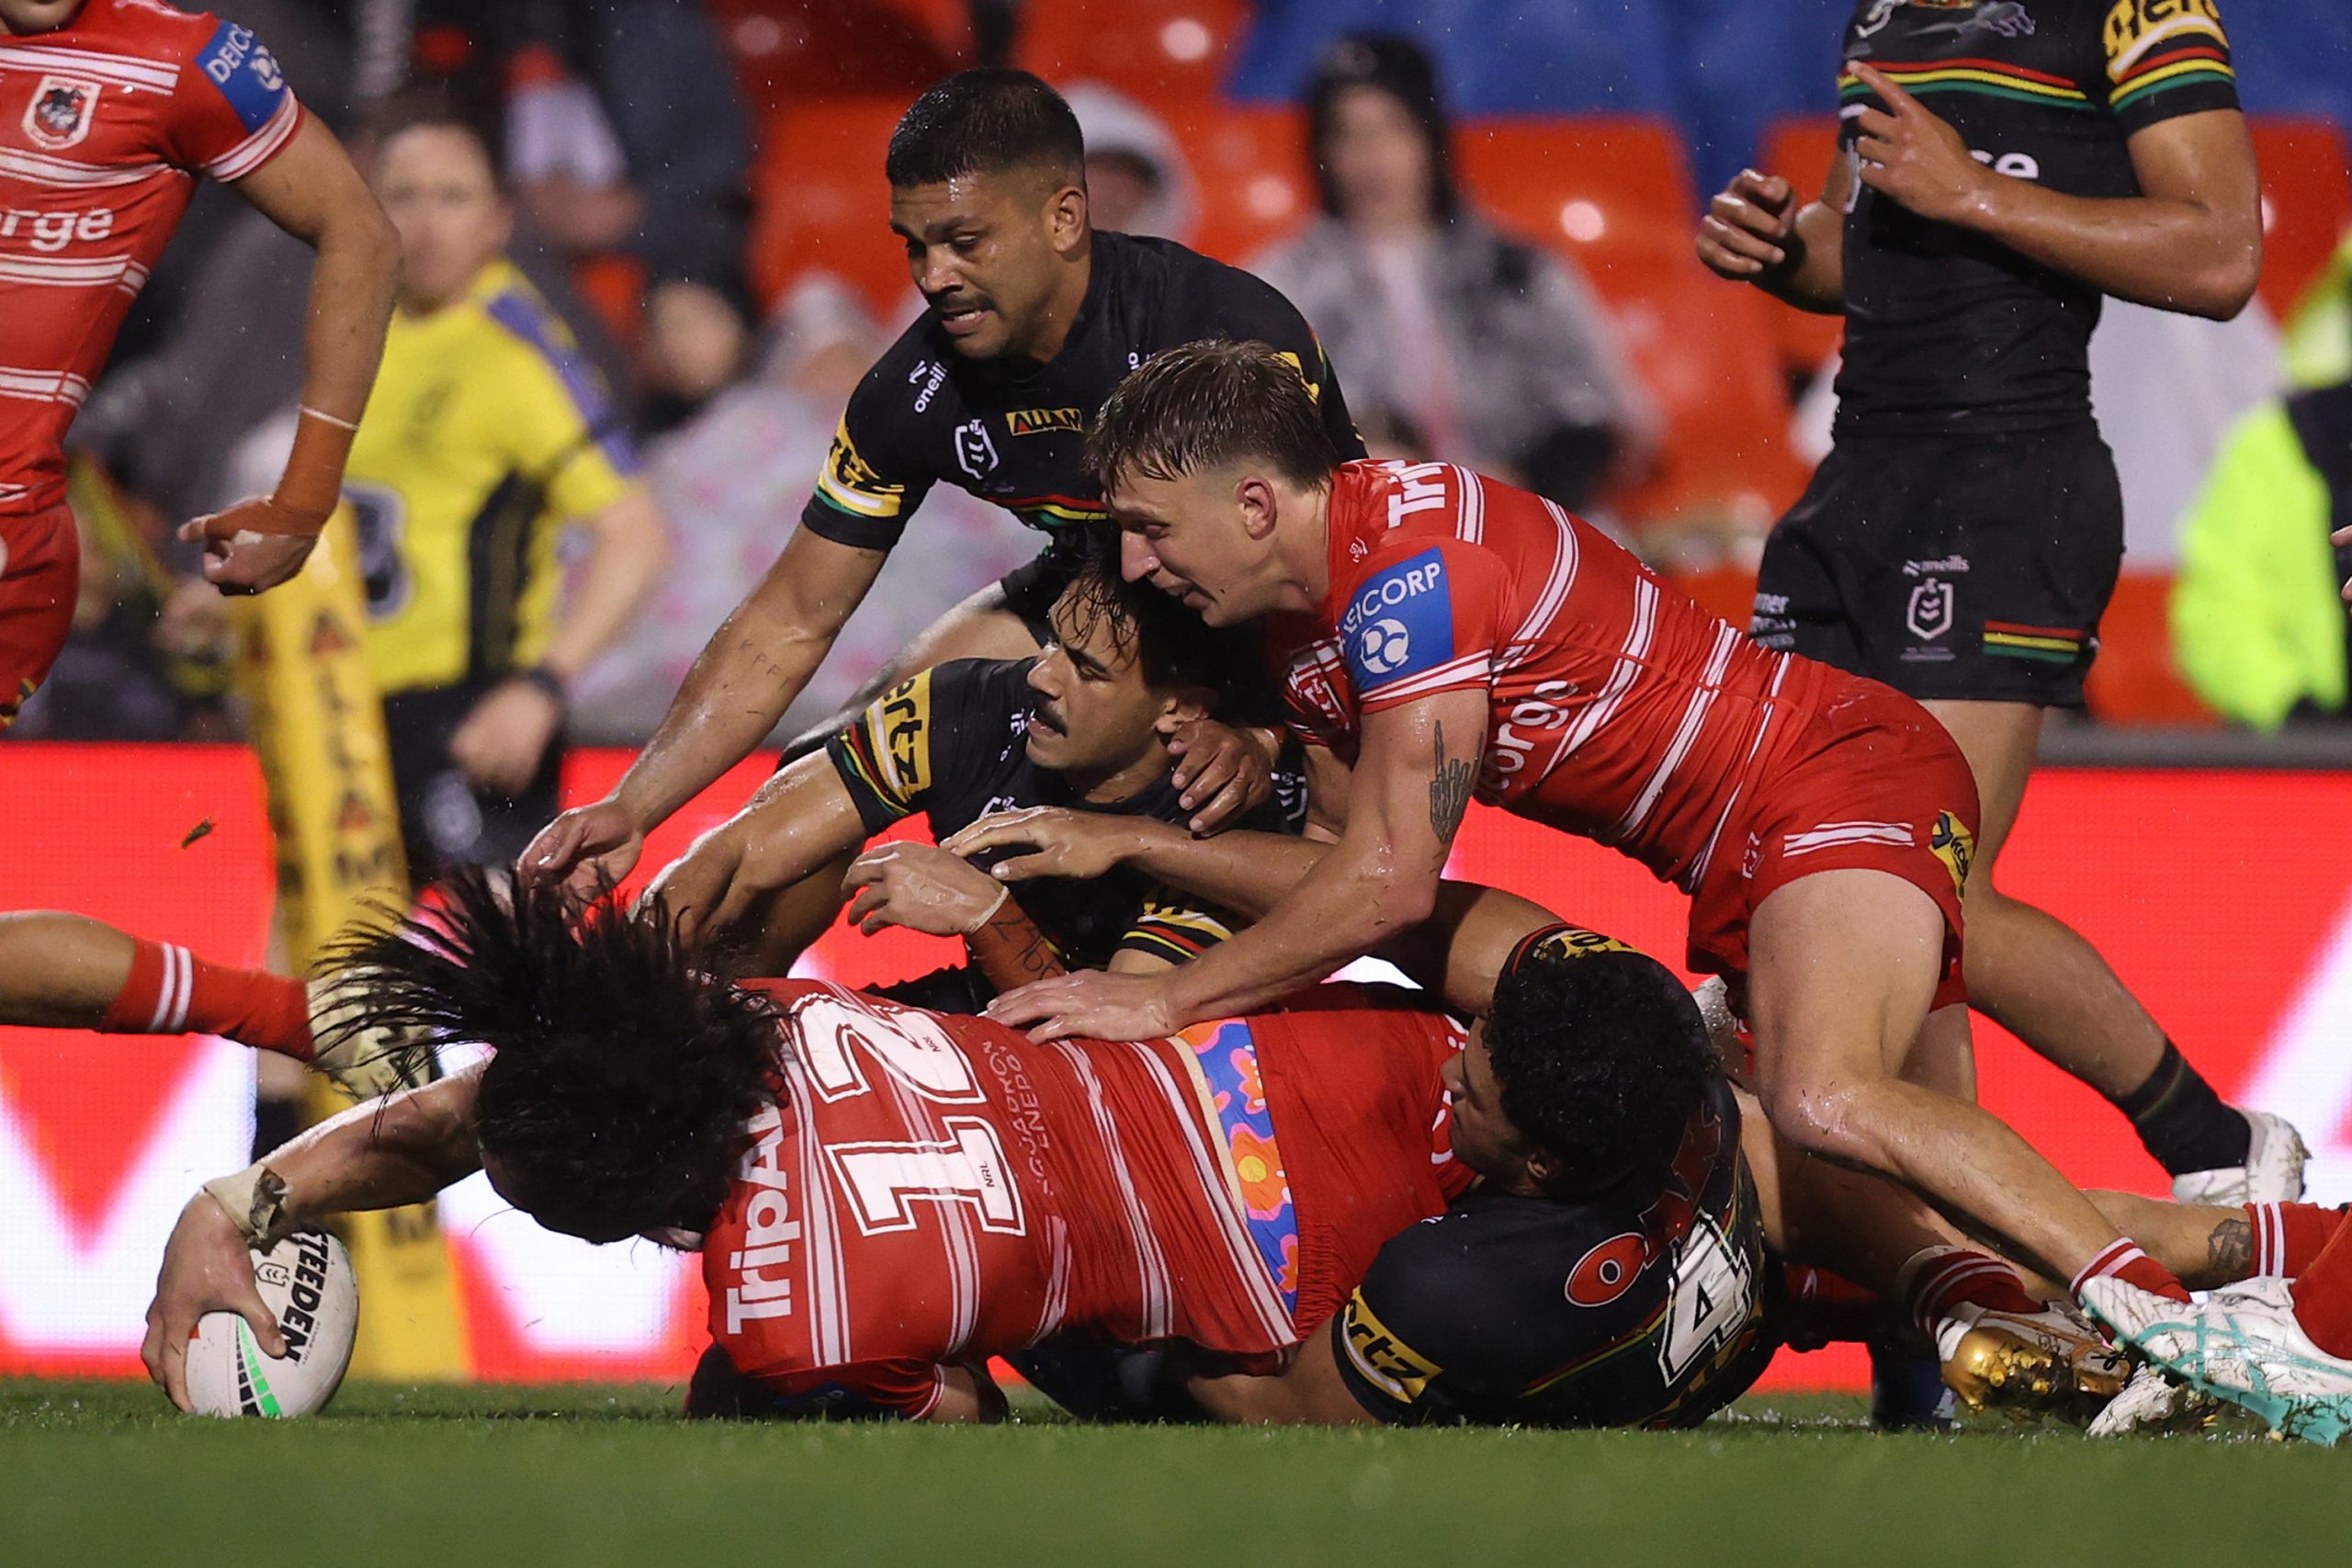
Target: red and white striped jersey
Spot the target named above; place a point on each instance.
(931, 1190)
(105, 125)
(1619, 709)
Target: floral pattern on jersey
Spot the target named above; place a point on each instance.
(1228, 1054)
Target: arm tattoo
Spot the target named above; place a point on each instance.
(2229, 1251)
(1448, 791)
(1012, 950)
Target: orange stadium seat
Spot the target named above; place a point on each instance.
(1799, 149)
(1153, 49)
(2135, 680)
(2306, 204)
(1250, 166)
(1614, 195)
(819, 200)
(787, 52)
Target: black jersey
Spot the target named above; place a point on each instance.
(1014, 432)
(951, 742)
(1638, 1308)
(1947, 330)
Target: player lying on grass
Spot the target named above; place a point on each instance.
(887, 1197)
(61, 971)
(1084, 724)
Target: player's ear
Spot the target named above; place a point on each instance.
(1260, 506)
(1066, 223)
(1545, 1169)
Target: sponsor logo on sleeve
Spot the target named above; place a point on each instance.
(1399, 623)
(1384, 1360)
(246, 74)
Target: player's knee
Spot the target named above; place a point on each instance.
(1834, 1120)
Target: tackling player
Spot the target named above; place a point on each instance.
(1446, 636)
(110, 112)
(1034, 317)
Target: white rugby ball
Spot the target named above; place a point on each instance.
(307, 1283)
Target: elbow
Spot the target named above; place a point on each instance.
(1401, 905)
(2226, 286)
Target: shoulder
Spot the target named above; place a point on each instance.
(521, 326)
(1200, 295)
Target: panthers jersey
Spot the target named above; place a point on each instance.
(930, 1191)
(106, 124)
(951, 742)
(1619, 709)
(487, 430)
(1947, 330)
(1014, 432)
(1640, 1307)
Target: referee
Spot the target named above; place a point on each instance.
(2001, 167)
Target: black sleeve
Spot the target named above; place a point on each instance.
(915, 743)
(1246, 307)
(871, 483)
(1407, 1347)
(2162, 62)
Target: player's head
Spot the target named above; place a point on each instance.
(1122, 660)
(988, 189)
(1585, 1072)
(622, 1073)
(434, 169)
(1377, 126)
(1203, 454)
(24, 16)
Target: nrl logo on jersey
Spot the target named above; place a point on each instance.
(59, 113)
(1036, 422)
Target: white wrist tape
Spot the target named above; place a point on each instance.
(254, 1200)
(1002, 893)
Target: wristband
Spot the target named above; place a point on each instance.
(312, 485)
(254, 1200)
(1002, 893)
(546, 681)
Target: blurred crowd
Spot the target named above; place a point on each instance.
(630, 140)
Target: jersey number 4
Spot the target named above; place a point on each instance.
(1714, 1296)
(884, 1181)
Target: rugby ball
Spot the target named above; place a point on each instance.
(307, 1283)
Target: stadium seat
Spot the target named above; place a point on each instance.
(1153, 49)
(1252, 166)
(819, 200)
(2306, 204)
(788, 52)
(1799, 149)
(2135, 680)
(1613, 194)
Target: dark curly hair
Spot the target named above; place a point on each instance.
(624, 1071)
(1600, 1055)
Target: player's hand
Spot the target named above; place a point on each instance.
(1095, 1003)
(1751, 228)
(251, 547)
(588, 849)
(503, 742)
(704, 889)
(922, 888)
(206, 1268)
(1059, 841)
(1221, 772)
(1908, 153)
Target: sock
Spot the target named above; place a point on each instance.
(1940, 1279)
(2323, 1294)
(2182, 1123)
(1826, 1309)
(172, 992)
(2289, 1237)
(2122, 1259)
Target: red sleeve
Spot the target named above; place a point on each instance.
(1423, 615)
(231, 111)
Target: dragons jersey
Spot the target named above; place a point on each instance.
(1619, 709)
(105, 125)
(1637, 1307)
(1014, 432)
(931, 1190)
(1949, 331)
(950, 742)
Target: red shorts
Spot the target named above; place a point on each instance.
(1871, 782)
(40, 561)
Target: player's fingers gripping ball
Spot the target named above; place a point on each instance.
(307, 1283)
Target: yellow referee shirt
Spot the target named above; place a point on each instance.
(487, 430)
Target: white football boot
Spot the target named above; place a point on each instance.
(2241, 1345)
(2273, 1171)
(2155, 1403)
(361, 1061)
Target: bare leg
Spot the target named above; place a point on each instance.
(979, 627)
(61, 971)
(1862, 1228)
(1843, 967)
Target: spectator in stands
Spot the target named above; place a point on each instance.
(1487, 350)
(1137, 179)
(741, 463)
(2256, 624)
(698, 344)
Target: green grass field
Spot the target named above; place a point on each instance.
(99, 1473)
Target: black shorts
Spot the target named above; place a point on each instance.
(1970, 568)
(445, 822)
